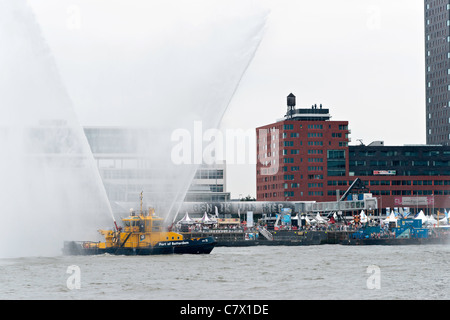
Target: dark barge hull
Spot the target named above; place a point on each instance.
(237, 243)
(396, 241)
(280, 238)
(254, 243)
(197, 246)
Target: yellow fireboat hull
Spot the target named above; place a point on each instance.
(187, 246)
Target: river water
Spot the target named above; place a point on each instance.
(257, 273)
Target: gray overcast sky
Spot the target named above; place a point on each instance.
(363, 59)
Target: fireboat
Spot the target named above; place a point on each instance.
(142, 234)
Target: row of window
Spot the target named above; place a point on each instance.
(392, 182)
(401, 163)
(277, 186)
(402, 192)
(209, 174)
(367, 182)
(366, 173)
(316, 134)
(288, 194)
(314, 126)
(310, 143)
(285, 152)
(148, 174)
(409, 153)
(292, 160)
(411, 192)
(435, 8)
(311, 135)
(315, 185)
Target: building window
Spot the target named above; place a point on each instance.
(289, 193)
(336, 163)
(411, 153)
(336, 135)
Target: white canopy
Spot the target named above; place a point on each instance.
(186, 219)
(391, 218)
(425, 219)
(206, 219)
(319, 219)
(421, 216)
(364, 218)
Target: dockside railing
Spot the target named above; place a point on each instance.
(266, 233)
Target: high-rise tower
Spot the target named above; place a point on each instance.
(437, 68)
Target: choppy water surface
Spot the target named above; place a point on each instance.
(313, 272)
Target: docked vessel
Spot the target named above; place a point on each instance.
(269, 231)
(407, 232)
(142, 234)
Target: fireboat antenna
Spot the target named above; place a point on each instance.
(142, 196)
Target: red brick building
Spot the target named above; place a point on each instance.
(299, 154)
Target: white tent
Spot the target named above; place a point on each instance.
(319, 219)
(422, 217)
(186, 219)
(363, 216)
(391, 218)
(206, 219)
